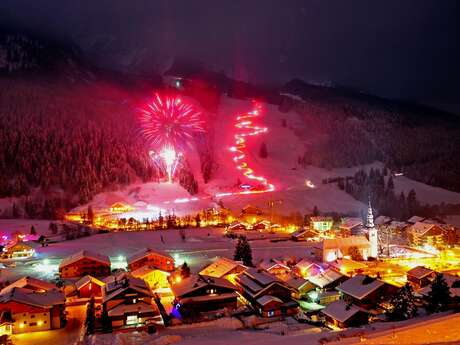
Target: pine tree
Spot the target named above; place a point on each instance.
(315, 211)
(243, 251)
(412, 203)
(390, 184)
(185, 270)
(90, 317)
(32, 230)
(263, 150)
(403, 304)
(90, 215)
(439, 296)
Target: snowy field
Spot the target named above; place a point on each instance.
(201, 246)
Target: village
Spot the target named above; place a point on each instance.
(326, 274)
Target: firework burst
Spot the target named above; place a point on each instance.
(169, 122)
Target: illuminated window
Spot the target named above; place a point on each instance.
(271, 313)
(131, 320)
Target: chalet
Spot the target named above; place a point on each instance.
(88, 287)
(152, 258)
(85, 263)
(18, 250)
(276, 267)
(420, 277)
(251, 214)
(321, 223)
(327, 280)
(127, 301)
(304, 234)
(428, 234)
(340, 314)
(222, 268)
(332, 249)
(120, 207)
(365, 292)
(349, 225)
(262, 225)
(300, 287)
(32, 311)
(199, 293)
(306, 268)
(155, 278)
(237, 226)
(30, 283)
(254, 284)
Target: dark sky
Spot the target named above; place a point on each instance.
(406, 49)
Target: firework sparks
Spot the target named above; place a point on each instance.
(169, 122)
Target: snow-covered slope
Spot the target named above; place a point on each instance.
(298, 188)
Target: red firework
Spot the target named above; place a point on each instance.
(168, 121)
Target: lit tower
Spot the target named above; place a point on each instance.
(372, 232)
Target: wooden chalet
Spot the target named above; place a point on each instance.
(223, 267)
(30, 283)
(420, 277)
(88, 287)
(152, 258)
(128, 301)
(429, 234)
(199, 293)
(32, 311)
(85, 263)
(276, 267)
(18, 250)
(254, 284)
(366, 292)
(154, 277)
(340, 314)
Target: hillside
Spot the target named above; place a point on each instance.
(69, 135)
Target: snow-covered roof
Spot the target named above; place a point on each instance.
(86, 280)
(196, 282)
(360, 286)
(146, 252)
(261, 277)
(267, 299)
(380, 220)
(351, 222)
(273, 264)
(221, 267)
(325, 278)
(121, 282)
(421, 228)
(419, 272)
(38, 299)
(339, 243)
(415, 219)
(37, 284)
(84, 254)
(297, 283)
(143, 270)
(340, 310)
(140, 307)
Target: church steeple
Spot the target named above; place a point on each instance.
(370, 216)
(372, 232)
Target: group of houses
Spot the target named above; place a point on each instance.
(125, 298)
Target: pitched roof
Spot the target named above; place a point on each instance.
(146, 252)
(380, 220)
(267, 299)
(360, 286)
(121, 282)
(415, 219)
(196, 281)
(140, 307)
(38, 299)
(419, 272)
(82, 254)
(340, 310)
(143, 270)
(350, 222)
(450, 279)
(272, 263)
(25, 281)
(296, 283)
(261, 277)
(421, 228)
(321, 219)
(352, 241)
(221, 267)
(88, 279)
(325, 278)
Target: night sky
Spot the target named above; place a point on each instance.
(406, 49)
